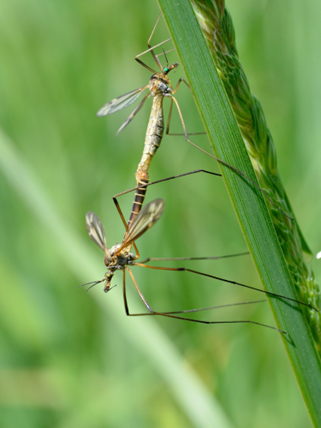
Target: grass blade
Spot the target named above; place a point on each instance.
(248, 202)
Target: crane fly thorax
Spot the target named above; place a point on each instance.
(158, 85)
(115, 260)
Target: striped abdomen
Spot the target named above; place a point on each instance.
(154, 135)
(138, 199)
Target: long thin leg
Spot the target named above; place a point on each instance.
(210, 308)
(178, 83)
(154, 56)
(269, 293)
(171, 104)
(138, 291)
(165, 52)
(163, 259)
(225, 163)
(149, 44)
(163, 180)
(124, 221)
(151, 50)
(171, 314)
(138, 189)
(208, 322)
(171, 108)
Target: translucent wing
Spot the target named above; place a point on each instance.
(120, 102)
(144, 220)
(96, 230)
(132, 115)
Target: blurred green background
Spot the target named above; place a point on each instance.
(73, 359)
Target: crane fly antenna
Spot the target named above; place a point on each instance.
(91, 284)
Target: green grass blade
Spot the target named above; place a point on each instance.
(247, 201)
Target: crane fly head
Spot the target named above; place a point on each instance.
(170, 68)
(108, 277)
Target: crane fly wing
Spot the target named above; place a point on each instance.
(133, 114)
(146, 218)
(96, 230)
(120, 102)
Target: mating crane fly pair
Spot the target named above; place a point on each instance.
(119, 256)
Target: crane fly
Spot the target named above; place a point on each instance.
(119, 257)
(159, 87)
